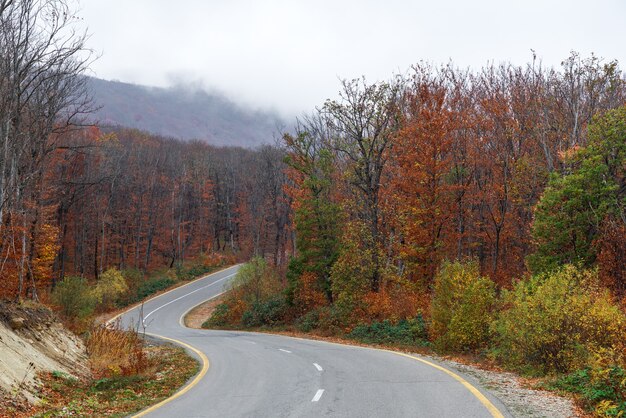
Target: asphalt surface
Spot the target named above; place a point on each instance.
(262, 375)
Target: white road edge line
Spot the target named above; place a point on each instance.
(284, 351)
(153, 298)
(318, 367)
(318, 395)
(185, 295)
(181, 320)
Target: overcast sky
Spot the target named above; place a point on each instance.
(288, 55)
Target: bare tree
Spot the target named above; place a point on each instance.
(43, 59)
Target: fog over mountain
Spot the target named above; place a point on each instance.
(183, 112)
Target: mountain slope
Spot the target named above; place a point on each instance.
(183, 113)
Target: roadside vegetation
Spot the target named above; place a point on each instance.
(128, 371)
(562, 321)
(80, 301)
(129, 376)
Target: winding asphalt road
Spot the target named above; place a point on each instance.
(261, 375)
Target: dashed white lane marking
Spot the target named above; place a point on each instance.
(318, 367)
(318, 395)
(285, 351)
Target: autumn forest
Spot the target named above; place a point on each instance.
(376, 208)
(438, 164)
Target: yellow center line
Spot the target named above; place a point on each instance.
(188, 386)
(493, 410)
(203, 357)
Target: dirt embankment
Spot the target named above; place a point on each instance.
(199, 314)
(32, 340)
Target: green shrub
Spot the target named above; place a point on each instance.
(556, 321)
(133, 277)
(332, 320)
(199, 270)
(73, 296)
(256, 299)
(152, 286)
(191, 272)
(602, 390)
(219, 317)
(462, 307)
(109, 289)
(65, 377)
(406, 332)
(256, 281)
(265, 313)
(118, 382)
(308, 322)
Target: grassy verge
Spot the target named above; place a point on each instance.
(116, 396)
(198, 315)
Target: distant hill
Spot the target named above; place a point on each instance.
(182, 113)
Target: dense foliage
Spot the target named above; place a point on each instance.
(569, 218)
(74, 298)
(555, 322)
(601, 385)
(462, 307)
(409, 332)
(255, 298)
(484, 210)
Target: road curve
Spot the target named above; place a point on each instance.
(262, 375)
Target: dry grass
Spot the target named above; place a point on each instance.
(116, 352)
(115, 397)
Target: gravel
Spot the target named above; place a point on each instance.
(519, 399)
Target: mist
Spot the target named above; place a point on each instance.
(288, 56)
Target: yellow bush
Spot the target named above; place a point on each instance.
(256, 281)
(110, 287)
(462, 307)
(74, 298)
(556, 321)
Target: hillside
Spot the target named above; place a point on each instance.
(183, 113)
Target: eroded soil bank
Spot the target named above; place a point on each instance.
(33, 341)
